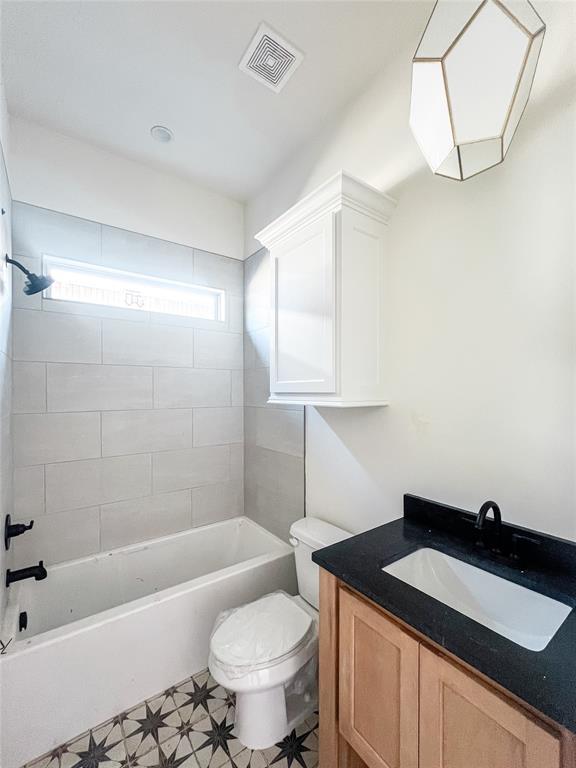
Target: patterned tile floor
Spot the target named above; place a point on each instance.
(190, 725)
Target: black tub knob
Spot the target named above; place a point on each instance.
(15, 529)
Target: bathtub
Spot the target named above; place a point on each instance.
(108, 631)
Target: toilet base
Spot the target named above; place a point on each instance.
(261, 719)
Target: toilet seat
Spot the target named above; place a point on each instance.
(261, 634)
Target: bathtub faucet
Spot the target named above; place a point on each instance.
(37, 572)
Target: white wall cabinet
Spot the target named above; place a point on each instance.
(328, 258)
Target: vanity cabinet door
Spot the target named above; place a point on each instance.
(463, 724)
(303, 340)
(378, 686)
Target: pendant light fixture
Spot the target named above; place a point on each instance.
(471, 79)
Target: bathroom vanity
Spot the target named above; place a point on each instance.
(408, 681)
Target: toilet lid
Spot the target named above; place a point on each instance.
(261, 631)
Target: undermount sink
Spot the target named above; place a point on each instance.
(523, 616)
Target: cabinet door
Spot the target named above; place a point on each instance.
(378, 687)
(463, 724)
(304, 295)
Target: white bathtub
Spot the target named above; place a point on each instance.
(108, 631)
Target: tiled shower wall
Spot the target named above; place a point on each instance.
(126, 425)
(274, 435)
(5, 368)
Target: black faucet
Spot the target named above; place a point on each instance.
(14, 529)
(497, 523)
(37, 572)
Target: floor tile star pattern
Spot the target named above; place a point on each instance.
(190, 725)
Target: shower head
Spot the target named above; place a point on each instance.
(34, 283)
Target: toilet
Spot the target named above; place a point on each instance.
(266, 652)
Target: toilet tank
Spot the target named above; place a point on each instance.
(306, 535)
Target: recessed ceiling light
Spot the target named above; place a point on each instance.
(161, 133)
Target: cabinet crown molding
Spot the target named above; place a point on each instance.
(340, 190)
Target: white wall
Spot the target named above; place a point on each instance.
(481, 316)
(54, 171)
(127, 425)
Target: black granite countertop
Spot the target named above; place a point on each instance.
(544, 679)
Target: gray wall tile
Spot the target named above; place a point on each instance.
(218, 426)
(49, 437)
(273, 511)
(146, 255)
(257, 387)
(75, 484)
(190, 388)
(178, 470)
(274, 436)
(39, 231)
(6, 320)
(218, 350)
(257, 291)
(235, 313)
(125, 432)
(127, 522)
(55, 338)
(135, 344)
(6, 386)
(76, 387)
(60, 537)
(29, 382)
(276, 429)
(237, 462)
(6, 279)
(218, 272)
(158, 318)
(281, 473)
(28, 492)
(220, 501)
(257, 348)
(237, 390)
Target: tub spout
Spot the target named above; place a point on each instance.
(37, 572)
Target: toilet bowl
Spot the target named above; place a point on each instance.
(266, 652)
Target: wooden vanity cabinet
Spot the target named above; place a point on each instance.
(378, 690)
(388, 699)
(464, 724)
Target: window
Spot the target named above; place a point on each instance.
(91, 284)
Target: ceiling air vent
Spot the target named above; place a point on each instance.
(270, 59)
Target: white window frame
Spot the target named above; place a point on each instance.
(170, 299)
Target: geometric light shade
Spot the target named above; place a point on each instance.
(471, 78)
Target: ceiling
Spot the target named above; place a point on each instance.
(106, 72)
